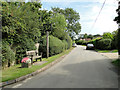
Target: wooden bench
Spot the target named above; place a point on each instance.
(33, 54)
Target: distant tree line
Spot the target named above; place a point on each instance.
(104, 42)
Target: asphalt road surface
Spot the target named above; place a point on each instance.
(79, 69)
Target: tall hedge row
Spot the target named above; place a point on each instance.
(56, 45)
(81, 42)
(95, 41)
(99, 43)
(8, 56)
(104, 44)
(69, 41)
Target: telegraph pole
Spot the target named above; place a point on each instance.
(47, 44)
(48, 28)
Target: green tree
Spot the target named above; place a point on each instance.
(90, 36)
(107, 35)
(20, 25)
(114, 41)
(72, 18)
(117, 19)
(45, 17)
(97, 35)
(59, 26)
(85, 36)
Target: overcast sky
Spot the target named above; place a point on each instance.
(88, 10)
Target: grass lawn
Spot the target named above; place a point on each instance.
(116, 62)
(15, 71)
(106, 51)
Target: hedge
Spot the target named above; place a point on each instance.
(69, 41)
(8, 56)
(81, 42)
(56, 45)
(94, 41)
(104, 44)
(65, 44)
(25, 45)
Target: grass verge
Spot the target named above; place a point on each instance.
(106, 51)
(15, 71)
(116, 62)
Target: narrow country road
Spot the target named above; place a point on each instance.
(79, 69)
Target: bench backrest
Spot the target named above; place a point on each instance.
(33, 52)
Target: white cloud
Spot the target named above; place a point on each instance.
(104, 22)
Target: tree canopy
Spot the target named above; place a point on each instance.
(23, 25)
(117, 19)
(72, 19)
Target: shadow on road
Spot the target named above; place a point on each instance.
(97, 74)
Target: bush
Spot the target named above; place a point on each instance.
(69, 41)
(94, 41)
(104, 44)
(8, 56)
(65, 44)
(56, 46)
(25, 45)
(81, 42)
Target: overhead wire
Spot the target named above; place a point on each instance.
(98, 15)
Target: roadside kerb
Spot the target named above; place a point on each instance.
(32, 74)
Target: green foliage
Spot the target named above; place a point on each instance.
(23, 26)
(8, 56)
(20, 19)
(104, 44)
(55, 46)
(108, 35)
(59, 26)
(85, 36)
(94, 41)
(65, 45)
(69, 41)
(72, 18)
(118, 41)
(26, 45)
(116, 62)
(90, 36)
(81, 42)
(114, 41)
(117, 19)
(16, 72)
(97, 35)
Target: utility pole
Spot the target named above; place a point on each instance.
(48, 28)
(47, 44)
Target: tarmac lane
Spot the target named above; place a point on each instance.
(81, 68)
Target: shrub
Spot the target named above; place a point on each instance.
(56, 46)
(94, 41)
(69, 41)
(8, 56)
(104, 44)
(81, 42)
(65, 44)
(25, 45)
